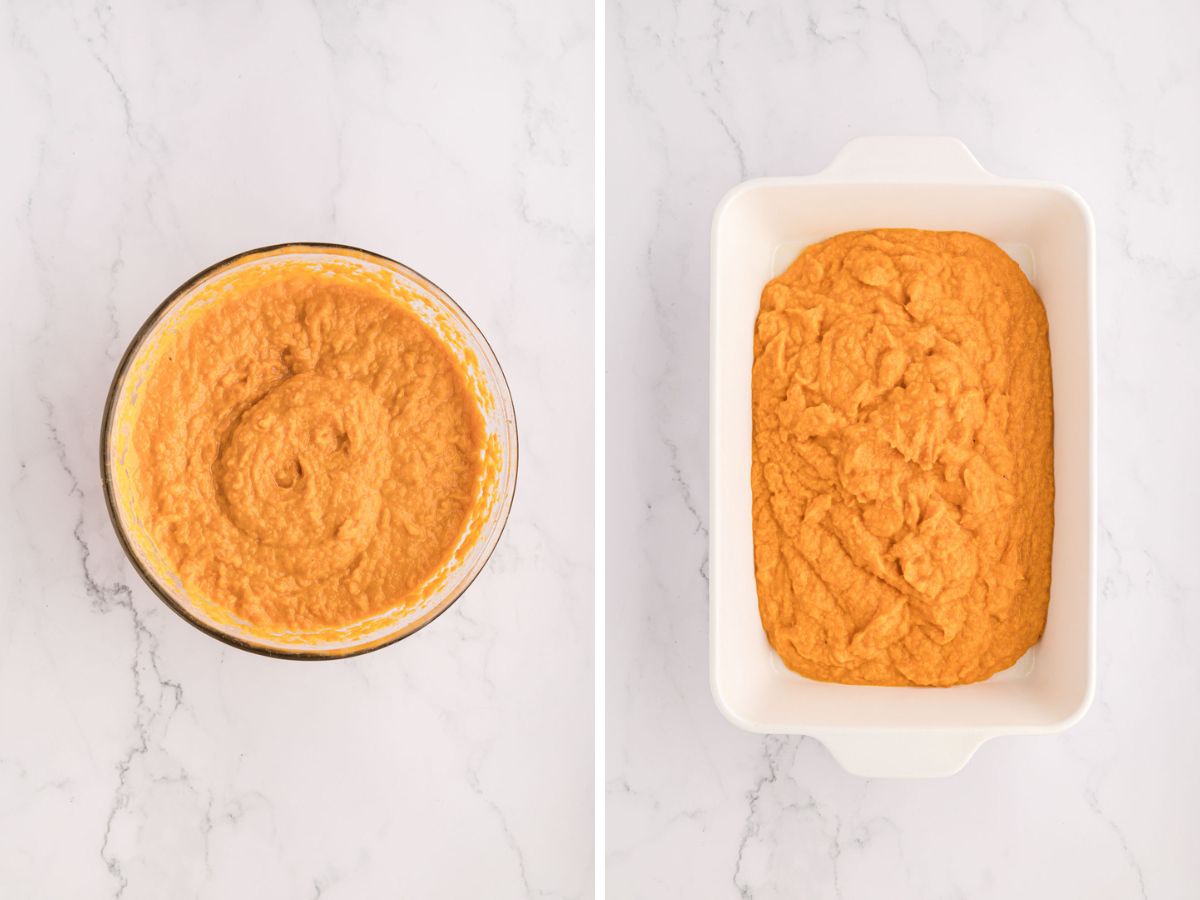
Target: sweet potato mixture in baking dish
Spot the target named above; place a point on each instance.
(903, 467)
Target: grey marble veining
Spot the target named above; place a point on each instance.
(139, 758)
(1103, 98)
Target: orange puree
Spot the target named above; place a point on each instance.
(307, 451)
(903, 469)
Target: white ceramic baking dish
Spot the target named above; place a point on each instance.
(758, 228)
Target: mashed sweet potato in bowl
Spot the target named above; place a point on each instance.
(309, 451)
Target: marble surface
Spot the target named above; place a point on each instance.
(142, 142)
(703, 95)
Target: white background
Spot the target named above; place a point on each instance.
(140, 143)
(1102, 97)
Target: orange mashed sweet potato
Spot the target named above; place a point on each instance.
(307, 451)
(903, 469)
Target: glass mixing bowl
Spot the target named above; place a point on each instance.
(458, 332)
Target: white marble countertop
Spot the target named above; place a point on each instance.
(142, 142)
(1101, 97)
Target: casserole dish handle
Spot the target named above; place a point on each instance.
(907, 159)
(902, 754)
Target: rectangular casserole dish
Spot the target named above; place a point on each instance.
(758, 229)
